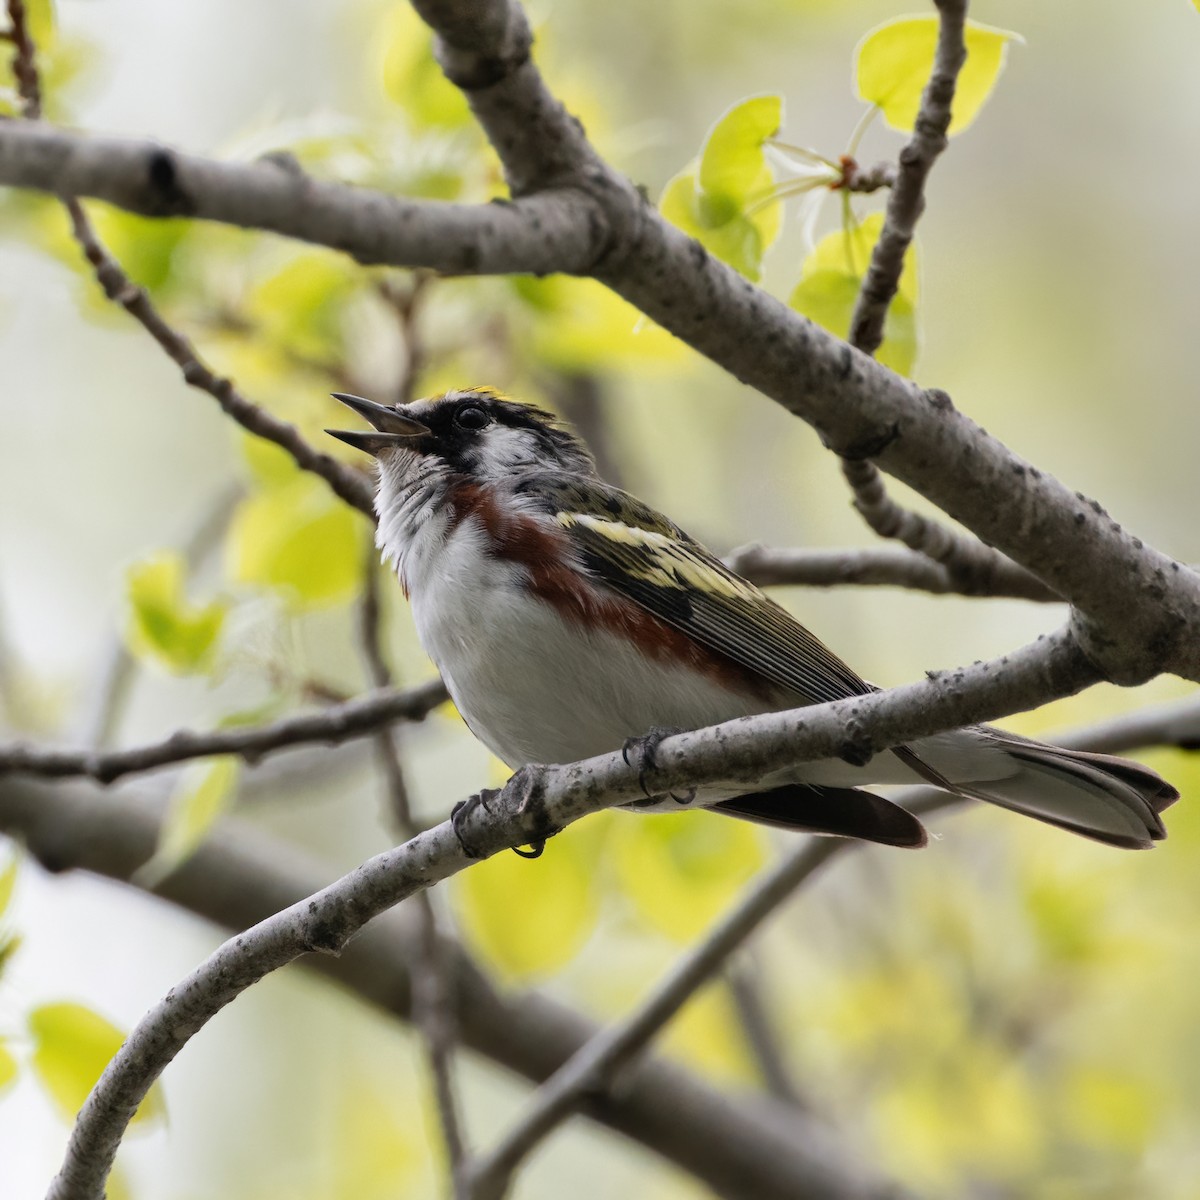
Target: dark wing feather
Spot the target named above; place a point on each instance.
(650, 560)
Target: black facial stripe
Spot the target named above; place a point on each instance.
(462, 447)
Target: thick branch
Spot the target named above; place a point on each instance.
(534, 805)
(331, 725)
(541, 234)
(1140, 606)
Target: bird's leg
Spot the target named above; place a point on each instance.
(641, 752)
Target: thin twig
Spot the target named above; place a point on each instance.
(433, 998)
(743, 978)
(972, 566)
(332, 725)
(24, 61)
(885, 566)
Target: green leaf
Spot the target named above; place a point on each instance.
(830, 283)
(8, 883)
(303, 304)
(682, 870)
(893, 63)
(732, 163)
(10, 943)
(71, 1047)
(412, 76)
(146, 247)
(205, 793)
(8, 1067)
(163, 625)
(527, 917)
(715, 201)
(42, 22)
(299, 539)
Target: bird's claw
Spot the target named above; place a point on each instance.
(642, 753)
(462, 811)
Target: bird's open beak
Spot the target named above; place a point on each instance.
(392, 428)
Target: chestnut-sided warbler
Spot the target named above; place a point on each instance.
(569, 619)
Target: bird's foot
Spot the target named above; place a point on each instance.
(528, 782)
(642, 753)
(460, 813)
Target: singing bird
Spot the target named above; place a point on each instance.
(569, 619)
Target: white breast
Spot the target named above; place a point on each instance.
(533, 686)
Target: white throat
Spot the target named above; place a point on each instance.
(412, 503)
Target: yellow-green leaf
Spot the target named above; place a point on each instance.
(163, 624)
(411, 75)
(682, 870)
(304, 303)
(8, 1067)
(893, 63)
(528, 917)
(830, 283)
(299, 539)
(8, 883)
(146, 247)
(71, 1047)
(42, 22)
(732, 163)
(717, 201)
(578, 324)
(205, 793)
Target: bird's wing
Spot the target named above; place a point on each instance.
(648, 559)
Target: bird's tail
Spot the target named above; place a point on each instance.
(1112, 800)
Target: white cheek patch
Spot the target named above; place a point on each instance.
(501, 450)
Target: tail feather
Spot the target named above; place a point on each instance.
(843, 812)
(1112, 800)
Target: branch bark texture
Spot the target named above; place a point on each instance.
(533, 806)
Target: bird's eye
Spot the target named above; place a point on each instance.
(471, 418)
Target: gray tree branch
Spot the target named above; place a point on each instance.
(336, 723)
(1138, 607)
(541, 234)
(884, 566)
(743, 1147)
(535, 804)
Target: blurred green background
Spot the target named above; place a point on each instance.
(1008, 1013)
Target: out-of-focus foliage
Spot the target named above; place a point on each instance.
(680, 874)
(71, 1047)
(714, 200)
(832, 278)
(202, 796)
(163, 624)
(299, 540)
(558, 898)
